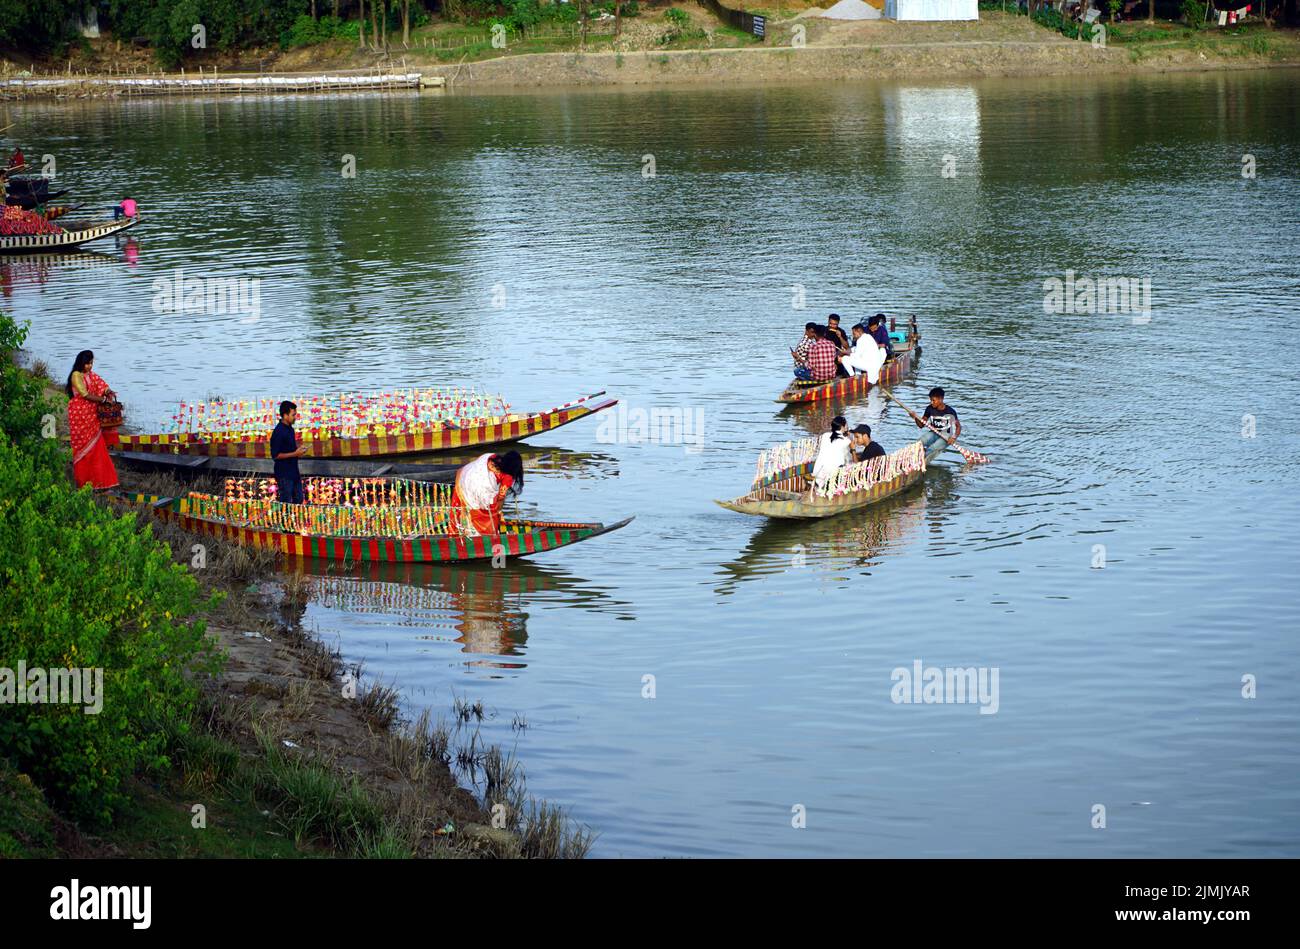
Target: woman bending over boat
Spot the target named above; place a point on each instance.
(86, 393)
(481, 489)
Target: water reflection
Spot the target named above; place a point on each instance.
(483, 609)
(557, 461)
(853, 540)
(38, 269)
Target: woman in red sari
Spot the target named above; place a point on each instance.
(90, 462)
(481, 489)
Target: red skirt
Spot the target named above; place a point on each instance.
(477, 520)
(95, 467)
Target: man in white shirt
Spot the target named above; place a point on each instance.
(867, 356)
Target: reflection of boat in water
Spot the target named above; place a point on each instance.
(488, 608)
(570, 464)
(38, 268)
(836, 543)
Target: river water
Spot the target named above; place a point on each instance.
(1121, 563)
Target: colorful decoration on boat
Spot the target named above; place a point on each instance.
(350, 492)
(15, 222)
(344, 414)
(864, 475)
(779, 458)
(325, 520)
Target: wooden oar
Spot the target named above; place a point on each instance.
(972, 457)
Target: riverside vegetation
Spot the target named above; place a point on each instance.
(206, 675)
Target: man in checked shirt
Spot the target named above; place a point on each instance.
(800, 352)
(822, 355)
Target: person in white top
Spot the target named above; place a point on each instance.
(833, 452)
(867, 356)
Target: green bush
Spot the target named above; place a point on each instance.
(308, 32)
(82, 587)
(24, 411)
(1193, 13)
(677, 17)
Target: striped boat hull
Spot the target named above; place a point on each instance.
(851, 386)
(73, 237)
(443, 438)
(531, 537)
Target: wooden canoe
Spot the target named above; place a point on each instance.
(72, 237)
(441, 438)
(187, 467)
(521, 538)
(786, 494)
(900, 364)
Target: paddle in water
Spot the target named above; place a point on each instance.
(972, 457)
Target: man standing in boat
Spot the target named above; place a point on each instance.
(285, 452)
(943, 420)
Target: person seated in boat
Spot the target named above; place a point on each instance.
(878, 329)
(864, 448)
(16, 160)
(942, 418)
(821, 357)
(833, 450)
(285, 453)
(86, 393)
(126, 208)
(800, 352)
(480, 491)
(867, 356)
(843, 345)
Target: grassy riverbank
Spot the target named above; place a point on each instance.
(686, 43)
(227, 729)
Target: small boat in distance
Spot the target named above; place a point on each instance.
(30, 191)
(418, 438)
(782, 486)
(906, 352)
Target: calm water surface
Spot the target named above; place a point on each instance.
(772, 645)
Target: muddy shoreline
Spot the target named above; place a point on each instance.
(958, 59)
(286, 703)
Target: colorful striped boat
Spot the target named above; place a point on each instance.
(787, 492)
(435, 438)
(71, 237)
(899, 365)
(520, 538)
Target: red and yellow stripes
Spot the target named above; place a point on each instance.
(890, 373)
(444, 438)
(529, 537)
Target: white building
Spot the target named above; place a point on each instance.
(932, 10)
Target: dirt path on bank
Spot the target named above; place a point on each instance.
(796, 50)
